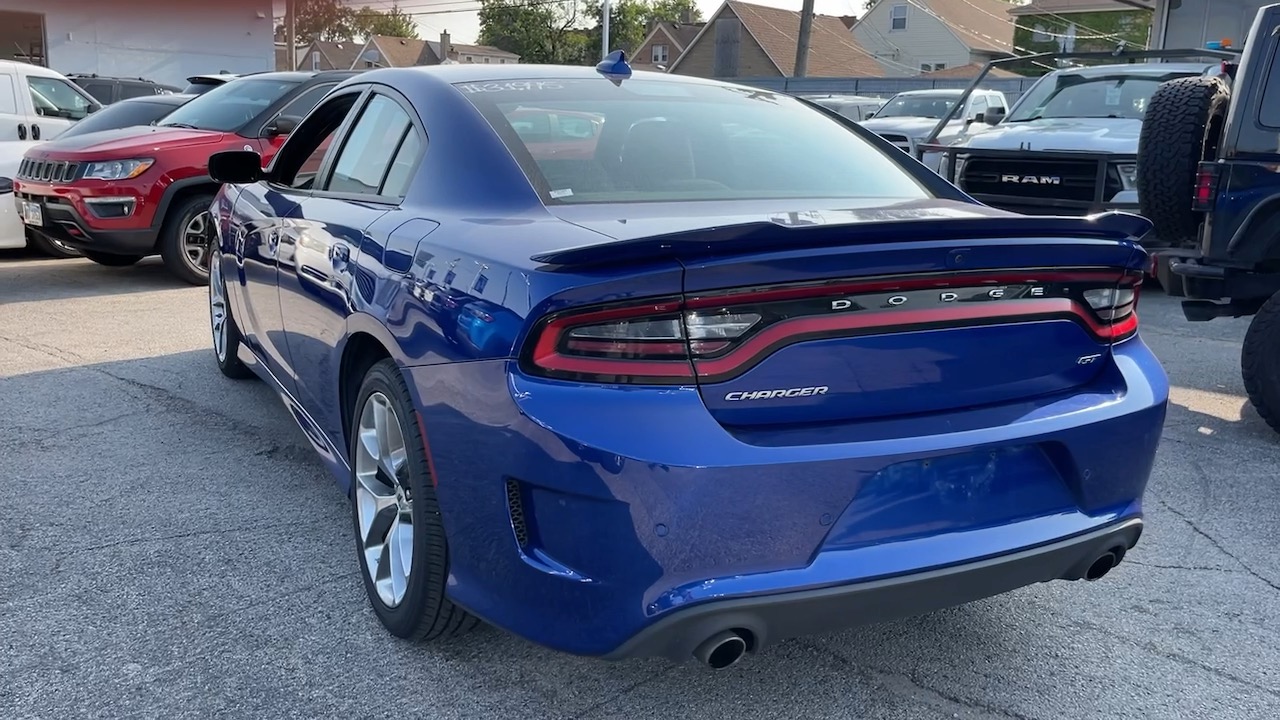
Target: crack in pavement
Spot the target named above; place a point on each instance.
(904, 685)
(1214, 541)
(599, 704)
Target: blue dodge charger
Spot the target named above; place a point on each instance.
(636, 364)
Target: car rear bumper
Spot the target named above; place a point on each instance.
(770, 618)
(616, 522)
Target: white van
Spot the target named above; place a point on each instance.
(37, 103)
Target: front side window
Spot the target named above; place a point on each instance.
(300, 158)
(55, 97)
(928, 106)
(372, 148)
(230, 106)
(1099, 96)
(675, 141)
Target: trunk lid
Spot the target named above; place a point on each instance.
(823, 316)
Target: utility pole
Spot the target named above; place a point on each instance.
(802, 42)
(604, 30)
(291, 35)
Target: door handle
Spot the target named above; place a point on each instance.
(22, 131)
(35, 131)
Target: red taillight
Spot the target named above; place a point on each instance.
(719, 336)
(1206, 187)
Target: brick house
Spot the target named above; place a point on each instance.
(742, 40)
(329, 56)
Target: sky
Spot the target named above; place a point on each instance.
(463, 24)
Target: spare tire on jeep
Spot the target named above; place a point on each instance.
(1181, 128)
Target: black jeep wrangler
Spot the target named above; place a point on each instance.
(1208, 177)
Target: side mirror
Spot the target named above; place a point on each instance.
(236, 167)
(6, 185)
(869, 115)
(282, 125)
(992, 116)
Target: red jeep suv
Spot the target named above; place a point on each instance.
(118, 196)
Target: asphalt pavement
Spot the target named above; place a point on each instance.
(169, 547)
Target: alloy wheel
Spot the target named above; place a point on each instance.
(218, 311)
(384, 499)
(195, 241)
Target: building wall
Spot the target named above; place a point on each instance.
(1192, 23)
(161, 41)
(701, 56)
(925, 40)
(1039, 33)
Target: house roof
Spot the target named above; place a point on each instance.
(980, 24)
(1036, 7)
(832, 50)
(682, 34)
(464, 49)
(397, 51)
(969, 71)
(341, 55)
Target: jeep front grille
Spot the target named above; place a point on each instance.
(48, 170)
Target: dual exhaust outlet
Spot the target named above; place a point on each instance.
(725, 648)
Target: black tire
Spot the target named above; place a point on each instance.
(1260, 362)
(48, 246)
(229, 362)
(425, 613)
(110, 260)
(173, 249)
(1182, 126)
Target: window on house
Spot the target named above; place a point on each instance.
(470, 59)
(315, 60)
(660, 53)
(939, 66)
(486, 59)
(898, 17)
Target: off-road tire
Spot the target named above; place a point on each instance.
(46, 246)
(109, 260)
(1260, 362)
(1183, 126)
(426, 613)
(172, 249)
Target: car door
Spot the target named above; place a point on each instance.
(13, 114)
(267, 239)
(58, 104)
(366, 179)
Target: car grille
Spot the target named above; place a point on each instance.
(902, 142)
(1060, 179)
(48, 170)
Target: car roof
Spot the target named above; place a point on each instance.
(945, 92)
(166, 99)
(1137, 69)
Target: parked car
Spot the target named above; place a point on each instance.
(201, 84)
(107, 90)
(907, 118)
(13, 233)
(121, 195)
(134, 112)
(736, 385)
(45, 102)
(1206, 172)
(854, 107)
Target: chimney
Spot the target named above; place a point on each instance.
(686, 17)
(445, 45)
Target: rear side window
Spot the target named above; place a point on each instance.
(382, 142)
(658, 140)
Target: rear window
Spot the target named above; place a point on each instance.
(229, 107)
(120, 115)
(588, 140)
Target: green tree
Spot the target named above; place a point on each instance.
(628, 24)
(327, 20)
(537, 31)
(674, 10)
(393, 22)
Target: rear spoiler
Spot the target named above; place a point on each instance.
(863, 227)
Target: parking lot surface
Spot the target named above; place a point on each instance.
(170, 547)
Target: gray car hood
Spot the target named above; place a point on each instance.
(1109, 135)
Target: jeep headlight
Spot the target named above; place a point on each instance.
(1128, 176)
(116, 169)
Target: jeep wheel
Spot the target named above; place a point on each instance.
(1182, 127)
(1260, 362)
(48, 246)
(185, 239)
